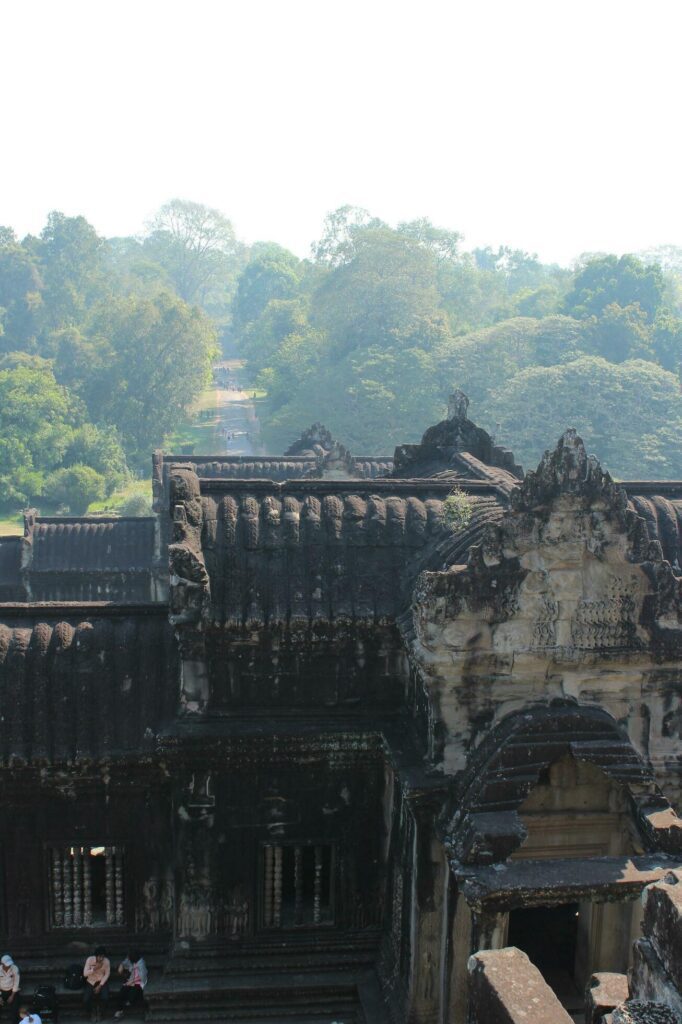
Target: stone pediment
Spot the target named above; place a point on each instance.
(332, 460)
(567, 581)
(570, 568)
(442, 443)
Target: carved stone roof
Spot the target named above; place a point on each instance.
(10, 565)
(319, 549)
(510, 760)
(278, 467)
(91, 544)
(57, 663)
(663, 516)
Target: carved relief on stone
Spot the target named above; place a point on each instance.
(569, 572)
(236, 913)
(155, 911)
(190, 588)
(196, 909)
(397, 912)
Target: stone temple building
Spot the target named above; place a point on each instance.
(325, 726)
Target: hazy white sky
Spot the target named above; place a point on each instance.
(552, 125)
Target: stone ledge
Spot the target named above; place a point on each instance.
(506, 988)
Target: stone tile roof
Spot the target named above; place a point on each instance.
(95, 544)
(10, 563)
(663, 516)
(81, 680)
(325, 549)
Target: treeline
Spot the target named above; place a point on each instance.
(372, 333)
(104, 343)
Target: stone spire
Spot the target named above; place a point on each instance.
(458, 405)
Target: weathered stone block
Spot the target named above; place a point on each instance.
(506, 988)
(662, 923)
(637, 1012)
(605, 992)
(650, 981)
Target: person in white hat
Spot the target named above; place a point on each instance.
(9, 983)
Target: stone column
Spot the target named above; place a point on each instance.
(269, 856)
(429, 902)
(57, 891)
(110, 885)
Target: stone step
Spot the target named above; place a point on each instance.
(285, 998)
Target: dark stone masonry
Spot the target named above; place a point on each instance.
(325, 756)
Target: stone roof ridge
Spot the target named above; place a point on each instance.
(444, 441)
(568, 469)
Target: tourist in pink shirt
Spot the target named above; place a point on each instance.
(96, 973)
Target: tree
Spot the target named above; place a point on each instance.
(196, 246)
(151, 359)
(98, 447)
(274, 273)
(483, 360)
(609, 279)
(70, 255)
(262, 340)
(385, 296)
(342, 228)
(520, 269)
(627, 413)
(621, 333)
(443, 244)
(667, 341)
(74, 487)
(20, 297)
(44, 427)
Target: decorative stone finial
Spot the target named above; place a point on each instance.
(568, 469)
(458, 403)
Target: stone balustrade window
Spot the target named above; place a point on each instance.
(297, 885)
(86, 886)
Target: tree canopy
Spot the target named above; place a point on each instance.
(101, 357)
(105, 343)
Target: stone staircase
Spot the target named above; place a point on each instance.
(219, 989)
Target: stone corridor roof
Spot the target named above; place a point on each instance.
(95, 544)
(662, 513)
(326, 550)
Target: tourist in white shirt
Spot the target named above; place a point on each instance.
(9, 983)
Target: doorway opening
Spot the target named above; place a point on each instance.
(549, 937)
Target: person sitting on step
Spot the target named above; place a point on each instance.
(26, 1017)
(96, 973)
(9, 985)
(134, 970)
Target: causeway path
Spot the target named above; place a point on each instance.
(237, 415)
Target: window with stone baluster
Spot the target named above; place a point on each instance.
(297, 885)
(86, 886)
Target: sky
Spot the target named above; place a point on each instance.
(550, 126)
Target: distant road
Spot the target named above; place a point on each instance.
(237, 415)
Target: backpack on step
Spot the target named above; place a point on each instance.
(73, 979)
(45, 1003)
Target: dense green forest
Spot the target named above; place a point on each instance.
(373, 332)
(105, 343)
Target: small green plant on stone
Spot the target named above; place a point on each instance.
(457, 509)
